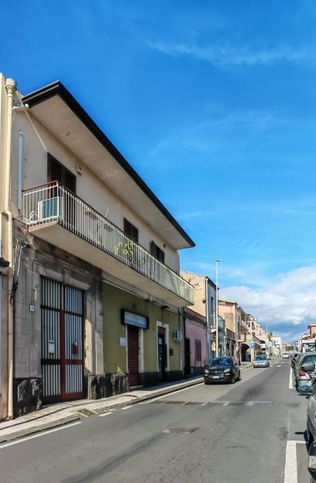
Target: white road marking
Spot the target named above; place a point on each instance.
(290, 470)
(105, 414)
(126, 407)
(250, 403)
(204, 404)
(291, 379)
(279, 365)
(226, 404)
(43, 433)
(168, 395)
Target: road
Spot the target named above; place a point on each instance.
(219, 434)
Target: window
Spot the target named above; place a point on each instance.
(198, 352)
(212, 307)
(130, 230)
(157, 252)
(57, 172)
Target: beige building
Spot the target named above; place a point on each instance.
(235, 318)
(91, 300)
(204, 302)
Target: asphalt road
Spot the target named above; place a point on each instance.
(219, 434)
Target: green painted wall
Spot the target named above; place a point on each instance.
(114, 300)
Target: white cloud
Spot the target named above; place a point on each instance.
(289, 300)
(226, 55)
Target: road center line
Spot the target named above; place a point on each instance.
(290, 470)
(38, 435)
(291, 379)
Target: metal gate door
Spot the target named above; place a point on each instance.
(132, 347)
(62, 341)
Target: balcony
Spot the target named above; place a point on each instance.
(63, 219)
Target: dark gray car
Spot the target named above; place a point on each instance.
(222, 369)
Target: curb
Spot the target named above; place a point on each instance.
(78, 414)
(39, 429)
(168, 390)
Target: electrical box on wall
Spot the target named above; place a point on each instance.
(177, 335)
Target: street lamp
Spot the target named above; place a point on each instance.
(218, 261)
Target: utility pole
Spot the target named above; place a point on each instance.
(218, 261)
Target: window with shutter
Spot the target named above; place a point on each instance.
(157, 252)
(130, 230)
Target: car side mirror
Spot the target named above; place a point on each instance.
(308, 366)
(312, 460)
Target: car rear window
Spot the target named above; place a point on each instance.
(309, 359)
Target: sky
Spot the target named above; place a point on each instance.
(214, 104)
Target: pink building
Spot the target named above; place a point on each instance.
(195, 355)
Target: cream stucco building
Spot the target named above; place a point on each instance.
(91, 302)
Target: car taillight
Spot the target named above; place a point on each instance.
(302, 373)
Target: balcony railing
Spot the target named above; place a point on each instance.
(51, 203)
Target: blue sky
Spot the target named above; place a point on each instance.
(214, 104)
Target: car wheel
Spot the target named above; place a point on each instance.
(239, 377)
(309, 436)
(232, 380)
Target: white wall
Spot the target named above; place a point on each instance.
(39, 142)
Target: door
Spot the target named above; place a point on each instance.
(162, 353)
(58, 172)
(61, 341)
(133, 356)
(187, 357)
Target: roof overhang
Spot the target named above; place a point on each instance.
(57, 110)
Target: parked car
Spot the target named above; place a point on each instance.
(222, 369)
(311, 415)
(285, 355)
(312, 461)
(305, 373)
(261, 361)
(311, 432)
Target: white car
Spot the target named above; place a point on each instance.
(261, 361)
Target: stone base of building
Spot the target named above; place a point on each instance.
(106, 385)
(197, 371)
(28, 395)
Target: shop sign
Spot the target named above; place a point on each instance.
(130, 318)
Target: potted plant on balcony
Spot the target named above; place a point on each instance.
(125, 250)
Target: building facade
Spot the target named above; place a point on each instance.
(195, 341)
(204, 302)
(93, 289)
(235, 326)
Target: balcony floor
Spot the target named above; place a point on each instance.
(60, 237)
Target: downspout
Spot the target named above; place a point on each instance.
(10, 87)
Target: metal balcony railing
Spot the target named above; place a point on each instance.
(51, 203)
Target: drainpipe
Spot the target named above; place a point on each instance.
(10, 87)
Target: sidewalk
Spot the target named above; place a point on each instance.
(59, 414)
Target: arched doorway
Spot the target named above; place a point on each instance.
(245, 352)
